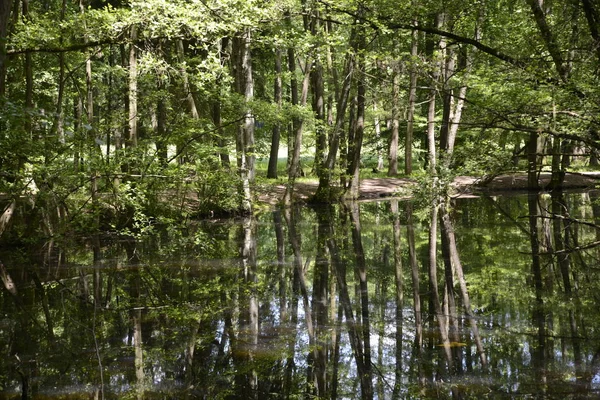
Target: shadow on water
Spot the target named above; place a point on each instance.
(470, 298)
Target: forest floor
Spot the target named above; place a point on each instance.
(463, 186)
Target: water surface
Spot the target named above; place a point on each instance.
(333, 302)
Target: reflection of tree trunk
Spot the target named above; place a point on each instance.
(449, 280)
(139, 358)
(364, 292)
(435, 296)
(45, 307)
(338, 266)
(136, 318)
(249, 315)
(278, 225)
(414, 267)
(296, 290)
(290, 365)
(299, 270)
(320, 309)
(539, 318)
(559, 209)
(448, 231)
(399, 296)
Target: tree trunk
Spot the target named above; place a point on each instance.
(324, 190)
(58, 124)
(133, 88)
(412, 98)
(191, 102)
(222, 140)
(592, 15)
(354, 184)
(361, 272)
(246, 157)
(393, 149)
(277, 99)
(297, 125)
(549, 39)
(5, 10)
(318, 100)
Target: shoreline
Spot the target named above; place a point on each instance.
(382, 188)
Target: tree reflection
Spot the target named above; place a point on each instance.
(324, 302)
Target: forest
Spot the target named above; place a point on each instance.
(157, 239)
(118, 115)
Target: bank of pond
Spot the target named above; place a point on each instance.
(485, 297)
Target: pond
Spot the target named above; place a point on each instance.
(332, 302)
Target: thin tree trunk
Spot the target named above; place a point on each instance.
(412, 98)
(393, 149)
(361, 272)
(324, 191)
(354, 184)
(278, 99)
(458, 269)
(298, 127)
(191, 102)
(435, 297)
(133, 88)
(58, 125)
(549, 38)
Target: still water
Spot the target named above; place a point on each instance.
(476, 298)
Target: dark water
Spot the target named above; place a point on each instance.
(316, 303)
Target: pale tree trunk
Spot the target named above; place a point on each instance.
(431, 145)
(133, 87)
(245, 139)
(377, 123)
(186, 82)
(393, 149)
(276, 136)
(250, 319)
(412, 98)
